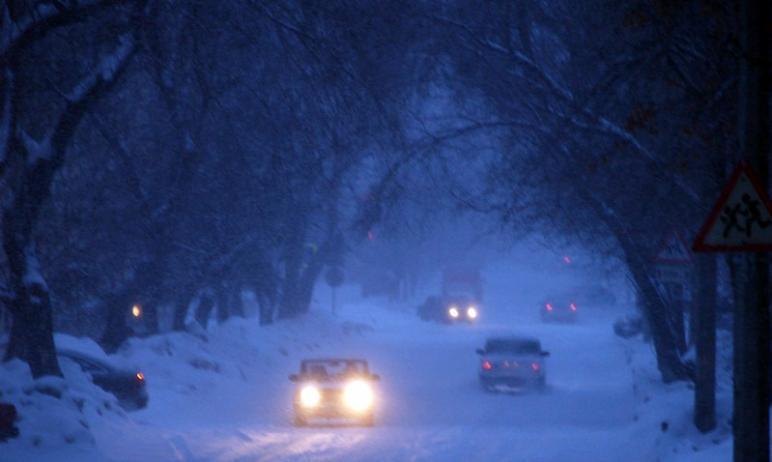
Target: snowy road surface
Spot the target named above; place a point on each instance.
(430, 405)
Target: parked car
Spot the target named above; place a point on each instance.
(334, 388)
(629, 326)
(559, 309)
(128, 386)
(450, 309)
(8, 417)
(512, 362)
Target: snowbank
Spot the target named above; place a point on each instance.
(56, 414)
(664, 413)
(187, 375)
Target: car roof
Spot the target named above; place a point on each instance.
(72, 354)
(330, 360)
(512, 338)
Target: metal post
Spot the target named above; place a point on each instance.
(751, 332)
(705, 343)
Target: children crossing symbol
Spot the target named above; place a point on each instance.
(741, 219)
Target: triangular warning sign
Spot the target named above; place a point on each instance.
(674, 251)
(741, 220)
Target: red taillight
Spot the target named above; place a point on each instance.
(573, 307)
(140, 376)
(536, 367)
(487, 365)
(549, 306)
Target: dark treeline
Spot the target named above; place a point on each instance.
(159, 152)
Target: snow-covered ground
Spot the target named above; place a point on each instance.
(223, 395)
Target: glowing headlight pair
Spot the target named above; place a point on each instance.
(357, 395)
(471, 312)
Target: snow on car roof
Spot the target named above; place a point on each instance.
(512, 338)
(333, 360)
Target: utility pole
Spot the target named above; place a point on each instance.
(751, 330)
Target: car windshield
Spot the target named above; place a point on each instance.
(520, 346)
(332, 368)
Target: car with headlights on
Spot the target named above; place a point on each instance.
(514, 362)
(450, 309)
(334, 388)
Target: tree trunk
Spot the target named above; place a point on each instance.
(181, 310)
(116, 329)
(32, 337)
(668, 360)
(204, 310)
(32, 327)
(37, 162)
(236, 303)
(150, 317)
(676, 310)
(119, 306)
(267, 305)
(308, 282)
(289, 306)
(223, 307)
(705, 343)
(654, 308)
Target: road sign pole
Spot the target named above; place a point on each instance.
(751, 333)
(705, 343)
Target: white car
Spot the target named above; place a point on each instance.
(514, 362)
(334, 388)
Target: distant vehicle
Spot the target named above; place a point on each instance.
(559, 309)
(512, 363)
(459, 301)
(127, 386)
(462, 283)
(592, 295)
(335, 388)
(449, 310)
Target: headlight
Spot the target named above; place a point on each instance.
(471, 312)
(310, 396)
(453, 312)
(358, 395)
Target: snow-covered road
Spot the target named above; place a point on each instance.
(430, 406)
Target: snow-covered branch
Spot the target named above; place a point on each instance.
(105, 71)
(54, 142)
(576, 113)
(39, 18)
(36, 150)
